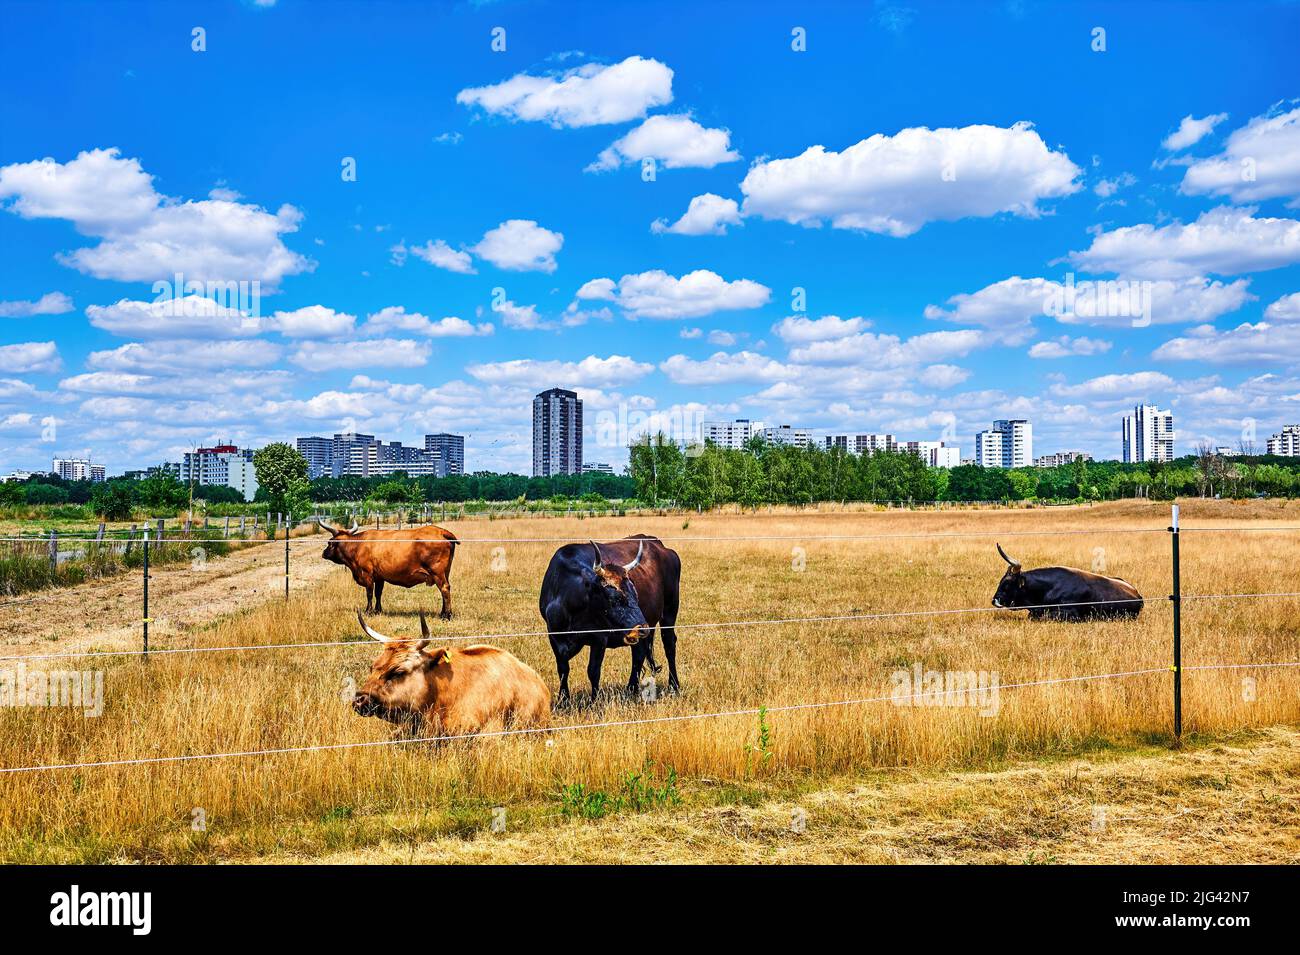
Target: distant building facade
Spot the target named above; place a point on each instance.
(353, 454)
(77, 469)
(222, 465)
(1148, 435)
(1008, 444)
(557, 433)
(1061, 457)
(862, 443)
(1286, 442)
(450, 448)
(598, 467)
(727, 434)
(786, 435)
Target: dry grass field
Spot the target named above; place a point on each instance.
(878, 782)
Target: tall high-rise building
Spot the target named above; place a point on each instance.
(1286, 442)
(988, 448)
(451, 447)
(319, 453)
(1017, 442)
(1008, 444)
(557, 433)
(1148, 435)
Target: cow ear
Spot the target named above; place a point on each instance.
(438, 657)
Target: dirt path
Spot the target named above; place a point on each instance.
(106, 614)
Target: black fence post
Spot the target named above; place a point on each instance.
(145, 618)
(1177, 598)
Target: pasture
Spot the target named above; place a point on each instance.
(430, 802)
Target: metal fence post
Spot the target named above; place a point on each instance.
(1177, 598)
(286, 564)
(145, 618)
(54, 553)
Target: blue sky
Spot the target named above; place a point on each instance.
(930, 175)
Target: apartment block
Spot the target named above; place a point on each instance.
(1148, 435)
(1286, 442)
(557, 433)
(727, 434)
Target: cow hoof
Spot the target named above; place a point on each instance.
(445, 615)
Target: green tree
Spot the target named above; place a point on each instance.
(113, 501)
(282, 478)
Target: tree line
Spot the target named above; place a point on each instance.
(709, 475)
(663, 474)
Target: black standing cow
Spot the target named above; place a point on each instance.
(1063, 593)
(610, 595)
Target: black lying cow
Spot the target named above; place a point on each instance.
(1062, 593)
(612, 595)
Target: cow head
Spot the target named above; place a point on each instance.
(334, 551)
(403, 680)
(1011, 589)
(612, 597)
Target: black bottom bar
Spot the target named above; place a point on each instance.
(924, 903)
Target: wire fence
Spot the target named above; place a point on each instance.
(1174, 599)
(572, 727)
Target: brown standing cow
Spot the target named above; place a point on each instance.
(407, 558)
(455, 691)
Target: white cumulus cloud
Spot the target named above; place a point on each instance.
(145, 235)
(1259, 161)
(520, 245)
(1191, 131)
(677, 142)
(707, 214)
(590, 95)
(656, 294)
(1224, 241)
(373, 353)
(51, 303)
(896, 184)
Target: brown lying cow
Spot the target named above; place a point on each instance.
(455, 691)
(407, 558)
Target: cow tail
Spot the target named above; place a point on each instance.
(452, 540)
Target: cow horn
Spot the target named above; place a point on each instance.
(424, 627)
(596, 548)
(327, 526)
(1013, 563)
(637, 559)
(353, 528)
(373, 634)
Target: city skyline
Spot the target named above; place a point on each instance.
(862, 234)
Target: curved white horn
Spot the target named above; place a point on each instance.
(353, 528)
(1013, 563)
(637, 559)
(327, 526)
(373, 634)
(596, 548)
(424, 626)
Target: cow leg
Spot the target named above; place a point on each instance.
(640, 652)
(564, 652)
(594, 663)
(370, 597)
(444, 588)
(379, 596)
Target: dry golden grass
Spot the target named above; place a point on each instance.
(313, 804)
